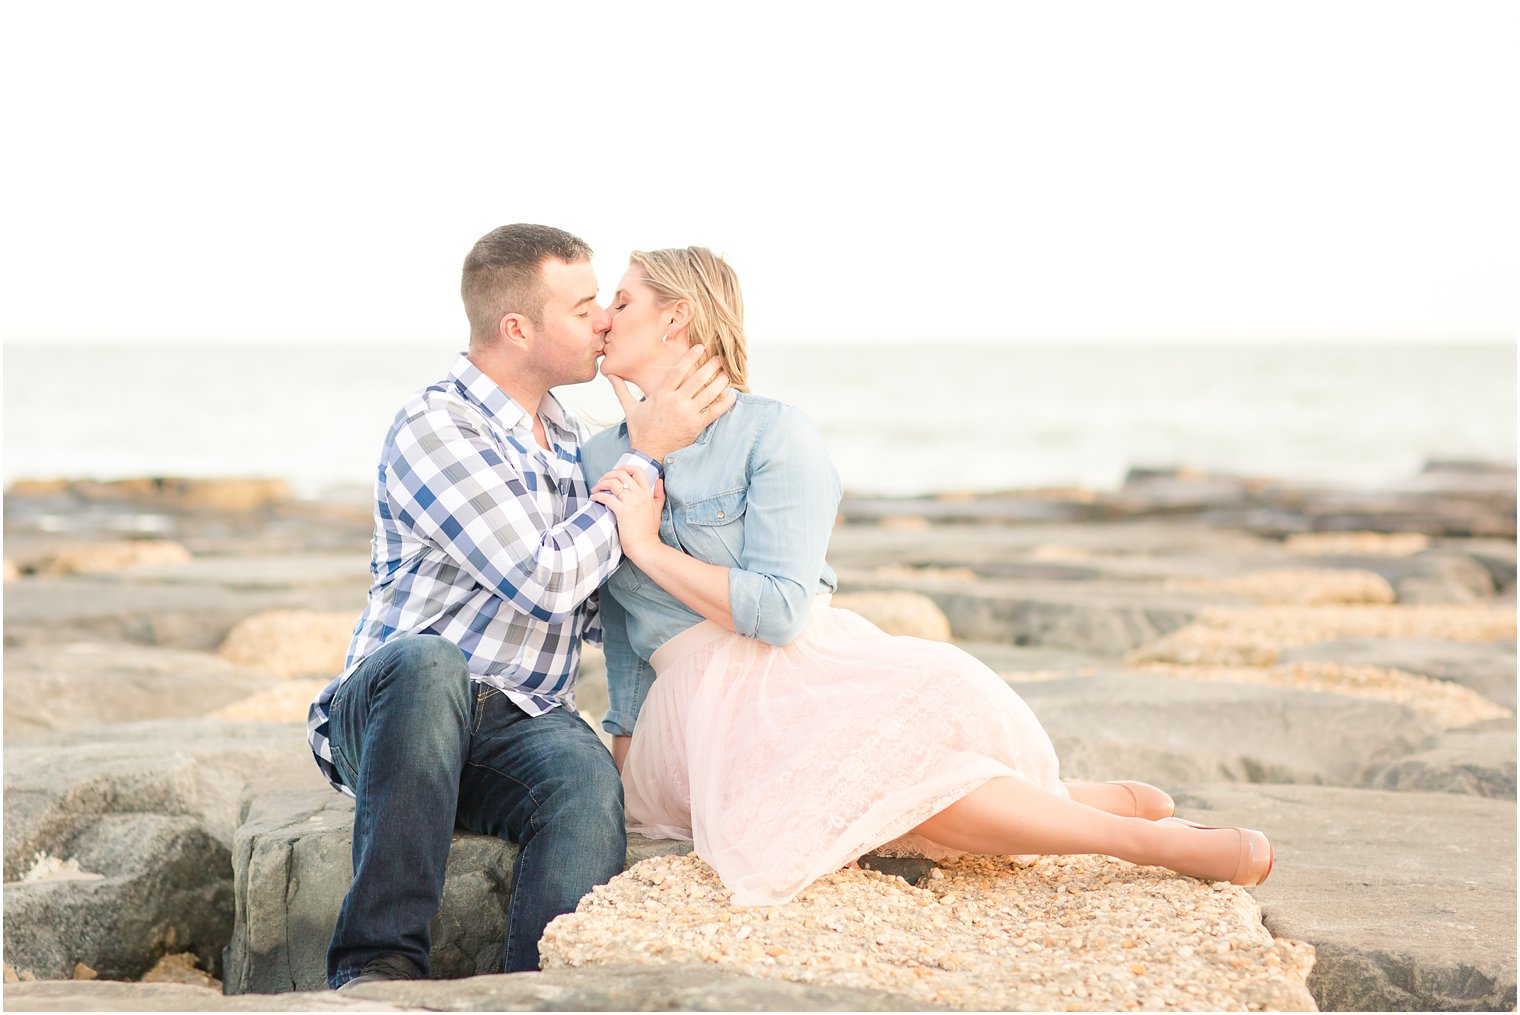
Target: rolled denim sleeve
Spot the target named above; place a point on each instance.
(629, 676)
(791, 502)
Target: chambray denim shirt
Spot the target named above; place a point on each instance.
(755, 493)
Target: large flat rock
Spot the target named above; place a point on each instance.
(1434, 503)
(177, 614)
(160, 884)
(117, 839)
(38, 520)
(631, 988)
(1487, 667)
(1004, 658)
(1408, 898)
(1103, 618)
(607, 988)
(1432, 576)
(292, 864)
(978, 933)
(115, 995)
(1478, 760)
(1455, 571)
(57, 786)
(1497, 555)
(1133, 549)
(1451, 504)
(51, 688)
(1176, 732)
(346, 571)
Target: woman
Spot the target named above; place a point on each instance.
(785, 737)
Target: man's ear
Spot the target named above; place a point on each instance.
(515, 331)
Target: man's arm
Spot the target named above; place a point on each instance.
(447, 482)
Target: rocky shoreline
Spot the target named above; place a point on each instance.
(1333, 665)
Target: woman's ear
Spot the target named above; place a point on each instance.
(677, 315)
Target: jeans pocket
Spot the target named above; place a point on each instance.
(347, 773)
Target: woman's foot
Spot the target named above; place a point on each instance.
(1241, 856)
(1150, 803)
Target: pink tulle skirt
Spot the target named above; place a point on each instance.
(784, 764)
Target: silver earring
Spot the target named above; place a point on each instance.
(666, 338)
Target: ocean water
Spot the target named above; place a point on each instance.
(897, 419)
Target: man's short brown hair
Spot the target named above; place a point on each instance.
(503, 274)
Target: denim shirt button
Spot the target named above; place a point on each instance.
(720, 514)
(670, 460)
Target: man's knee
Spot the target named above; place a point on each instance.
(411, 697)
(427, 664)
(429, 653)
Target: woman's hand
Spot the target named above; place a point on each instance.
(626, 492)
(675, 411)
(698, 584)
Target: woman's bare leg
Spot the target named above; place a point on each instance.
(1136, 799)
(620, 751)
(1105, 796)
(1008, 815)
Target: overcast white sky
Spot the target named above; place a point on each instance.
(212, 172)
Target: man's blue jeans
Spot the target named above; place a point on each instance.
(423, 748)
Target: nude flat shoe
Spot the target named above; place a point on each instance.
(1151, 803)
(1255, 861)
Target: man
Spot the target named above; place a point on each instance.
(458, 703)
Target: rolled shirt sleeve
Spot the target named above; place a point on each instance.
(629, 675)
(791, 503)
(448, 483)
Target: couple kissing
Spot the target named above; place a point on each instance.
(782, 736)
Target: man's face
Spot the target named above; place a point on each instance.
(567, 345)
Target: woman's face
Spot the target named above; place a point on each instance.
(635, 342)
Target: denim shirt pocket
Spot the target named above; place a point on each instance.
(713, 528)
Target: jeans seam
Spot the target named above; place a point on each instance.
(512, 911)
(527, 791)
(522, 847)
(480, 711)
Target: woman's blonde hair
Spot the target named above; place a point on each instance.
(708, 283)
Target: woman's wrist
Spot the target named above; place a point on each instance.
(639, 548)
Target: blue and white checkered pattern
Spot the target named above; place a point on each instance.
(487, 540)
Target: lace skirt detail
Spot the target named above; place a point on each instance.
(784, 764)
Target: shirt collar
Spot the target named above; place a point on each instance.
(555, 415)
(500, 406)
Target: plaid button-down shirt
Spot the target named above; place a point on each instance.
(485, 539)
